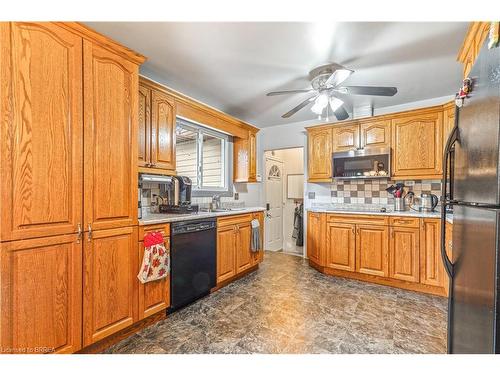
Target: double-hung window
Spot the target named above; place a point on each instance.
(203, 154)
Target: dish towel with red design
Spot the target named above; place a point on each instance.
(156, 260)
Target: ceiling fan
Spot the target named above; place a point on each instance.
(325, 83)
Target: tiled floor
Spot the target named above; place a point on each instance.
(288, 307)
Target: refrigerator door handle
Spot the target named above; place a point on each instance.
(452, 139)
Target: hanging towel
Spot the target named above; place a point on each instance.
(298, 225)
(255, 245)
(156, 259)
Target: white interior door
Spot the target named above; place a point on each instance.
(274, 197)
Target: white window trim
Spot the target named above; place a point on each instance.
(227, 152)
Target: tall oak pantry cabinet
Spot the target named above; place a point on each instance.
(68, 187)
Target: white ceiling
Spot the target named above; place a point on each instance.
(231, 66)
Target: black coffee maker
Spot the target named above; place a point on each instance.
(179, 197)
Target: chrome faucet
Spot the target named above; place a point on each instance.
(216, 202)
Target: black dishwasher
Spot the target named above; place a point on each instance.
(193, 261)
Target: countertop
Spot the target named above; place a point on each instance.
(376, 211)
(170, 218)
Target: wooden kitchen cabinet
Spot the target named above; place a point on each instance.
(432, 270)
(448, 121)
(417, 142)
(244, 158)
(41, 143)
(154, 296)
(243, 252)
(375, 134)
(226, 253)
(110, 112)
(156, 129)
(110, 284)
(234, 254)
(345, 138)
(404, 262)
(41, 295)
(319, 154)
(315, 231)
(340, 250)
(372, 249)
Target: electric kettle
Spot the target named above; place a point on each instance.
(428, 202)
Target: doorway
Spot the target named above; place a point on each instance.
(284, 190)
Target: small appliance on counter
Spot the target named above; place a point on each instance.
(175, 193)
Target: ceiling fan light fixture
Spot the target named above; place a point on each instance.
(320, 104)
(335, 103)
(343, 74)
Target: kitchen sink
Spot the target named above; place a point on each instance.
(221, 209)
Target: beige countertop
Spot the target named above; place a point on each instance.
(376, 211)
(170, 218)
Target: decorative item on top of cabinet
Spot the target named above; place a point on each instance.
(110, 111)
(157, 114)
(417, 143)
(41, 295)
(110, 284)
(319, 153)
(41, 142)
(316, 223)
(345, 137)
(375, 133)
(244, 159)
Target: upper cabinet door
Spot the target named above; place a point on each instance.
(345, 138)
(375, 133)
(417, 142)
(144, 131)
(162, 131)
(319, 154)
(41, 139)
(110, 86)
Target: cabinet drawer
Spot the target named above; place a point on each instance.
(163, 228)
(358, 219)
(236, 219)
(411, 222)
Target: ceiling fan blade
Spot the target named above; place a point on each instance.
(274, 93)
(299, 107)
(341, 113)
(369, 90)
(338, 76)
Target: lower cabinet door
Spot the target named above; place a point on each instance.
(314, 236)
(432, 270)
(372, 248)
(41, 295)
(341, 246)
(226, 254)
(404, 260)
(110, 283)
(154, 296)
(243, 251)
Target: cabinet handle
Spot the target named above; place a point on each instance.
(357, 231)
(89, 238)
(353, 230)
(79, 233)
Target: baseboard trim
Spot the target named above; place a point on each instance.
(428, 289)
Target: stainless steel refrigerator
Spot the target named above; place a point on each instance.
(473, 190)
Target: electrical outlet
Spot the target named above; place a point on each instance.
(409, 183)
(236, 196)
(311, 195)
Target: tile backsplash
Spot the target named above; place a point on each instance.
(151, 190)
(373, 191)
